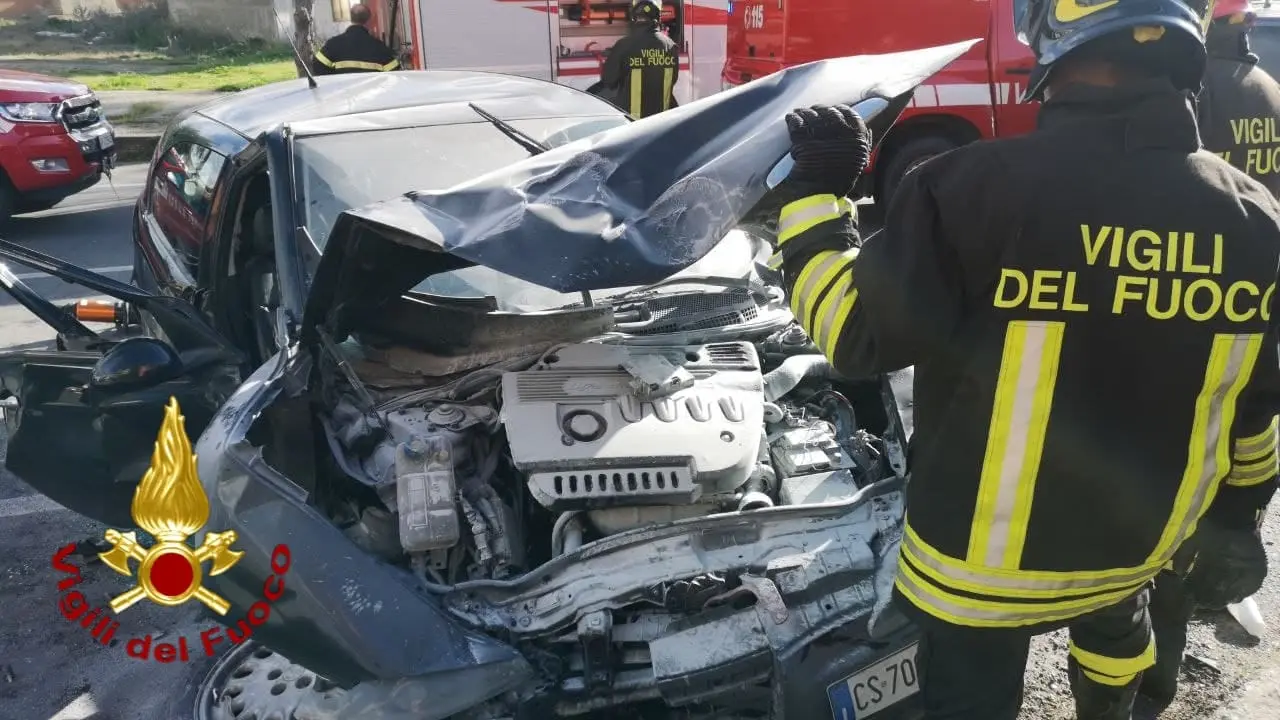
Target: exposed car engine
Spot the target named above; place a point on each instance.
(620, 436)
(475, 481)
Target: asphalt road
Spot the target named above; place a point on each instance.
(52, 669)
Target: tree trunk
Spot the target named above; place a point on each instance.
(302, 35)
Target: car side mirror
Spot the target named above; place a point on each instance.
(135, 363)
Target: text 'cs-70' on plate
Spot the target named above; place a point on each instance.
(876, 687)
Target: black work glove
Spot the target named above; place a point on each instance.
(831, 147)
(1230, 564)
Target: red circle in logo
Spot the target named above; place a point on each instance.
(171, 574)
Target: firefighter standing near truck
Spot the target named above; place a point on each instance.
(355, 50)
(1090, 313)
(1238, 110)
(1240, 103)
(643, 66)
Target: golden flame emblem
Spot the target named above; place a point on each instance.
(171, 505)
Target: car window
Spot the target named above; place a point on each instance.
(182, 185)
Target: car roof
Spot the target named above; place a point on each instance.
(252, 112)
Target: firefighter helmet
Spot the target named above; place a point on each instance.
(1055, 28)
(646, 12)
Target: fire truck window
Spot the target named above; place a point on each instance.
(182, 186)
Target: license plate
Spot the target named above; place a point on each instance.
(881, 684)
(106, 142)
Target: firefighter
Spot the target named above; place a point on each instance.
(1237, 111)
(355, 49)
(642, 67)
(1240, 101)
(1089, 310)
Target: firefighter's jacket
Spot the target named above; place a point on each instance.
(641, 72)
(1239, 112)
(352, 51)
(1090, 313)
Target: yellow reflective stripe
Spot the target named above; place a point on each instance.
(964, 610)
(1015, 440)
(1257, 446)
(391, 65)
(842, 317)
(1231, 361)
(1113, 671)
(362, 65)
(826, 329)
(806, 213)
(815, 278)
(1254, 473)
(324, 59)
(1106, 679)
(668, 77)
(1026, 584)
(636, 105)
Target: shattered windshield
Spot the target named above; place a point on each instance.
(338, 172)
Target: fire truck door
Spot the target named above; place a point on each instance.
(1011, 64)
(506, 36)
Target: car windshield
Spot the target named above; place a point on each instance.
(335, 173)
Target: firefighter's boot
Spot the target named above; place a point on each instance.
(1096, 701)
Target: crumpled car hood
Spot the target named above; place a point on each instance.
(627, 206)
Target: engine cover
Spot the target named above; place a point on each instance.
(589, 432)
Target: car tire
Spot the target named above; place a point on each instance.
(245, 680)
(902, 161)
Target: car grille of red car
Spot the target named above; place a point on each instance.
(81, 113)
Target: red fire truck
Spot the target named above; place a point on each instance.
(975, 97)
(560, 40)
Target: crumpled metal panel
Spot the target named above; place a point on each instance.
(634, 204)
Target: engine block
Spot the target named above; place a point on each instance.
(608, 425)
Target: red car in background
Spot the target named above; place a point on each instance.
(54, 141)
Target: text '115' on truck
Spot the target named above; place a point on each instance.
(976, 97)
(54, 141)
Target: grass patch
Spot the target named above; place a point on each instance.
(137, 112)
(142, 49)
(223, 72)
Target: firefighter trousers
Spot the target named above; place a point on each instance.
(1171, 609)
(977, 673)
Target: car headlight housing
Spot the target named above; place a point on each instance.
(29, 112)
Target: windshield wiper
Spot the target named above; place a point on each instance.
(533, 146)
(732, 283)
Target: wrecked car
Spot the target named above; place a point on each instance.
(544, 440)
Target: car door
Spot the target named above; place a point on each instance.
(84, 437)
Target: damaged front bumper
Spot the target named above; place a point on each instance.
(687, 612)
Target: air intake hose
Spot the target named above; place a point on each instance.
(784, 378)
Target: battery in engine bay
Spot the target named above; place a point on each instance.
(808, 449)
